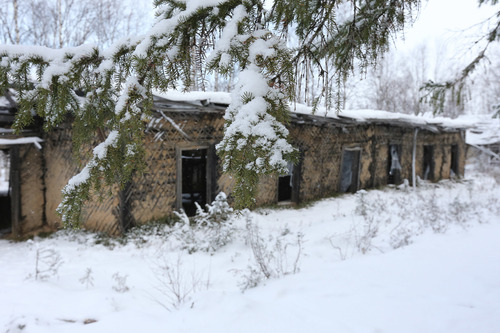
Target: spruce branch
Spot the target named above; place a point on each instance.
(115, 86)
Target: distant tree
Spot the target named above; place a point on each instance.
(394, 83)
(456, 89)
(59, 23)
(484, 86)
(120, 81)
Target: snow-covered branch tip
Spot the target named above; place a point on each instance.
(255, 141)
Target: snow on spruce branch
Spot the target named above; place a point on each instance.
(169, 19)
(76, 192)
(255, 138)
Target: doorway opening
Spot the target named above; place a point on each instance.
(285, 185)
(428, 162)
(5, 195)
(454, 161)
(349, 177)
(394, 165)
(194, 179)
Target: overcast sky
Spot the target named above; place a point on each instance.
(452, 22)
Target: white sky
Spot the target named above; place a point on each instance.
(449, 22)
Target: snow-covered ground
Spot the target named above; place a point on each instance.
(392, 260)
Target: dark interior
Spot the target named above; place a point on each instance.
(194, 179)
(428, 163)
(5, 202)
(285, 188)
(454, 160)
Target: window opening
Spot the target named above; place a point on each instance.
(394, 164)
(5, 201)
(350, 170)
(194, 179)
(428, 163)
(285, 184)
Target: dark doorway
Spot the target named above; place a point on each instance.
(349, 177)
(454, 161)
(394, 165)
(285, 186)
(194, 179)
(5, 199)
(428, 163)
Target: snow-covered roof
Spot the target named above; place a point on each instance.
(8, 100)
(4, 102)
(486, 132)
(22, 141)
(427, 121)
(216, 97)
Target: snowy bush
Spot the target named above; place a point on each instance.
(140, 235)
(209, 230)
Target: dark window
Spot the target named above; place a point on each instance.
(454, 161)
(349, 176)
(394, 164)
(194, 179)
(428, 167)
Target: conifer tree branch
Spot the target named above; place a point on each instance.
(118, 83)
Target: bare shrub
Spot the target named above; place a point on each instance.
(270, 259)
(342, 252)
(370, 211)
(176, 284)
(47, 262)
(87, 279)
(402, 236)
(120, 285)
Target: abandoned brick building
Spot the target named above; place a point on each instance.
(339, 153)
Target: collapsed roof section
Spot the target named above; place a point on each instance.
(486, 132)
